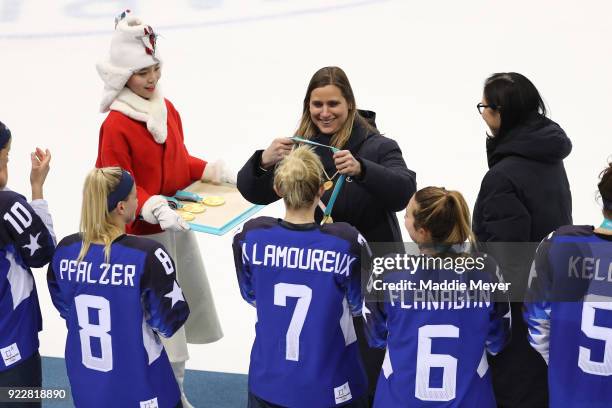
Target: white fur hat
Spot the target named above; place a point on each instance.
(133, 47)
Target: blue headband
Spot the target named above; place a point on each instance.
(5, 135)
(120, 192)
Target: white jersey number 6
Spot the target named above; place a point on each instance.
(426, 360)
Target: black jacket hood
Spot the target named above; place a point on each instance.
(538, 138)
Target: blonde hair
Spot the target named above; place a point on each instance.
(298, 178)
(445, 214)
(96, 222)
(337, 77)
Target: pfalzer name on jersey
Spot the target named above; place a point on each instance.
(107, 274)
(590, 268)
(312, 259)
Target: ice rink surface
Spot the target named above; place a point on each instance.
(237, 72)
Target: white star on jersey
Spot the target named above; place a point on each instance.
(33, 246)
(20, 280)
(365, 311)
(176, 295)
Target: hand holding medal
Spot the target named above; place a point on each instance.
(347, 164)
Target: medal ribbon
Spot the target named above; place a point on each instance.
(339, 183)
(332, 199)
(310, 142)
(607, 224)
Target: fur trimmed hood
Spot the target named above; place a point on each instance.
(114, 79)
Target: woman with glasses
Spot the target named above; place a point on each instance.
(523, 197)
(378, 182)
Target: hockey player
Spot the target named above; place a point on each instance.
(569, 312)
(304, 280)
(143, 134)
(437, 340)
(26, 240)
(117, 293)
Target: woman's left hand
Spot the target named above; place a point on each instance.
(347, 164)
(40, 166)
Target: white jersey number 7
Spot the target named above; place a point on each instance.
(304, 294)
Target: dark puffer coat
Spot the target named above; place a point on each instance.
(524, 196)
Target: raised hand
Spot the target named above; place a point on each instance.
(40, 168)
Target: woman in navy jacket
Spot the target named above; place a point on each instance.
(524, 196)
(378, 182)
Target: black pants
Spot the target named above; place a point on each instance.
(256, 402)
(28, 373)
(520, 374)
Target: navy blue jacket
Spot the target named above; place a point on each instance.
(370, 202)
(525, 195)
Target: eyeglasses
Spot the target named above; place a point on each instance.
(481, 107)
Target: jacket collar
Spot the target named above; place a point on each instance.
(537, 138)
(358, 135)
(152, 111)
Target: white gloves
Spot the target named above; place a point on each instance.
(218, 172)
(157, 211)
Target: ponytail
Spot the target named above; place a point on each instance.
(96, 224)
(445, 214)
(298, 178)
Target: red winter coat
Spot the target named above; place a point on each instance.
(156, 168)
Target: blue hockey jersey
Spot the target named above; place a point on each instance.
(114, 312)
(305, 282)
(437, 337)
(25, 242)
(569, 315)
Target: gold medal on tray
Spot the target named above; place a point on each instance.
(194, 208)
(214, 201)
(187, 216)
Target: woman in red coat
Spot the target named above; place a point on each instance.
(143, 134)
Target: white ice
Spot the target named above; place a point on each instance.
(237, 72)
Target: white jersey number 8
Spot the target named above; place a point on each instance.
(83, 304)
(426, 360)
(585, 363)
(304, 294)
